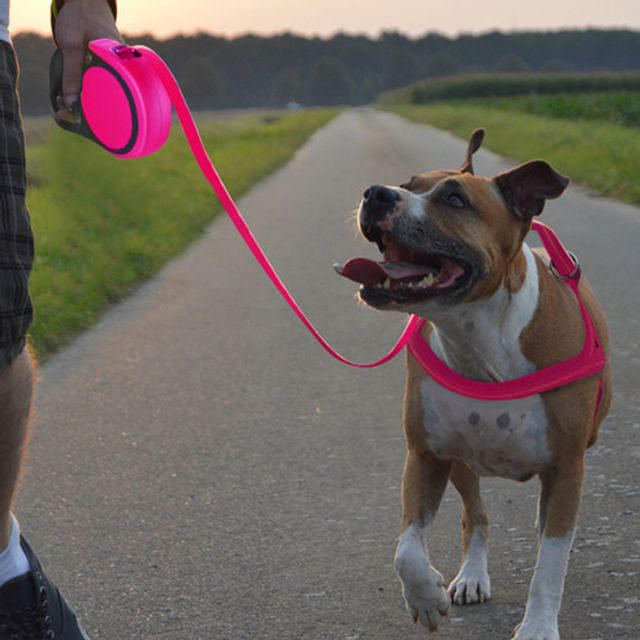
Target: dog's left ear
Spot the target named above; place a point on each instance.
(474, 144)
(528, 186)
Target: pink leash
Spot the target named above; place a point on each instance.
(590, 361)
(129, 114)
(210, 173)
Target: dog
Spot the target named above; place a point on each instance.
(455, 253)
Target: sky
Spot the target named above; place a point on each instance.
(325, 17)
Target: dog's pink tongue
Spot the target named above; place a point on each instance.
(369, 272)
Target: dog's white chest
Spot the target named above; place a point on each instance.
(495, 438)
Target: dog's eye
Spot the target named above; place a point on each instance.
(456, 200)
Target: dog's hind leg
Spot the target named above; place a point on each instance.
(423, 483)
(472, 584)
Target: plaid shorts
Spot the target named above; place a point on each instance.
(16, 238)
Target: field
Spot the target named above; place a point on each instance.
(102, 224)
(586, 127)
(489, 85)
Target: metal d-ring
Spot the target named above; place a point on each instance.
(576, 268)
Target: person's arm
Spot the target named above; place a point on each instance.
(74, 24)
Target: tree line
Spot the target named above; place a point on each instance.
(272, 71)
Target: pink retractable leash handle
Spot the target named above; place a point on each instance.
(125, 107)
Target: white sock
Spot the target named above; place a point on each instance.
(13, 562)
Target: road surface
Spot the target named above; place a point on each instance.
(200, 469)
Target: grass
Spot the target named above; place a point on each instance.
(102, 224)
(621, 108)
(603, 156)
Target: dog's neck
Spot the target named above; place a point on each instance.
(480, 339)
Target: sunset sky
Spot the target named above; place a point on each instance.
(324, 17)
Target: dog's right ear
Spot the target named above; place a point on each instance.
(528, 186)
(474, 144)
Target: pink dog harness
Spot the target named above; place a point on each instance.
(588, 362)
(126, 108)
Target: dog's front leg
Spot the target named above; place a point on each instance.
(423, 482)
(559, 502)
(472, 583)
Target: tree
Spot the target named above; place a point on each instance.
(371, 87)
(200, 84)
(286, 87)
(441, 64)
(511, 62)
(256, 71)
(402, 69)
(329, 83)
(555, 65)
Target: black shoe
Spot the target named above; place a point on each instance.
(31, 607)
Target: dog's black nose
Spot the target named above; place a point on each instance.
(377, 202)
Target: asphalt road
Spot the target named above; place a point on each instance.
(200, 469)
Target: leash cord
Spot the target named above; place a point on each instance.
(209, 171)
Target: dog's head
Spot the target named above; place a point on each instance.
(448, 236)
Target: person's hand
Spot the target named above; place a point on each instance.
(79, 22)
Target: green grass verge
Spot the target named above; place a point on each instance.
(104, 224)
(603, 156)
(621, 108)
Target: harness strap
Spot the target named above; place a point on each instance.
(588, 362)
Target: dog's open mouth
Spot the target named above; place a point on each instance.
(406, 275)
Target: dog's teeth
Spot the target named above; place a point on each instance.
(428, 280)
(337, 267)
(387, 283)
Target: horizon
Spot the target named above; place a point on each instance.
(355, 34)
(326, 18)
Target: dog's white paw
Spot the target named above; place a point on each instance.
(472, 585)
(422, 586)
(536, 630)
(427, 602)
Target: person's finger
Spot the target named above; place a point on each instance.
(73, 61)
(65, 115)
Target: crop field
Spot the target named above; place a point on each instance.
(509, 85)
(102, 224)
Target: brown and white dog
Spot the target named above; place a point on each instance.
(454, 252)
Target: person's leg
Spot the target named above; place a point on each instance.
(16, 258)
(16, 391)
(16, 388)
(30, 604)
